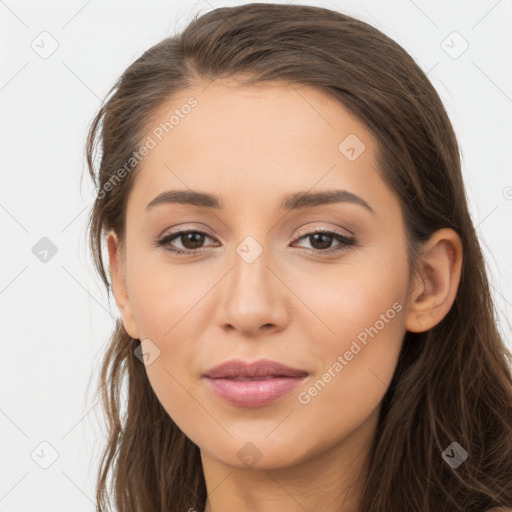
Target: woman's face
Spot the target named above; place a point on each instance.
(263, 282)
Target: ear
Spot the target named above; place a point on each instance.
(434, 289)
(117, 260)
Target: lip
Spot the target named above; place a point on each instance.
(253, 384)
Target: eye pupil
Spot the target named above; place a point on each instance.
(324, 245)
(196, 238)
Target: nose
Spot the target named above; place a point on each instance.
(253, 298)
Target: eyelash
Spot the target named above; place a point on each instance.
(346, 242)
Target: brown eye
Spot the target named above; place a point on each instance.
(321, 241)
(191, 241)
(194, 238)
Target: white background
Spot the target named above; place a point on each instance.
(55, 317)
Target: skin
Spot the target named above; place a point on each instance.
(251, 146)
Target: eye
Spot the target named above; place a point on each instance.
(192, 241)
(321, 241)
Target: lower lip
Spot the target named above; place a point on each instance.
(254, 393)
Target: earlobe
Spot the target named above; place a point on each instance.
(435, 288)
(118, 278)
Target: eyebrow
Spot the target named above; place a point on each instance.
(293, 201)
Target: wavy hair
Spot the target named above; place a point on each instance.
(452, 382)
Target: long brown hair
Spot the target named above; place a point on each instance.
(453, 383)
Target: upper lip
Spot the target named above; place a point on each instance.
(262, 368)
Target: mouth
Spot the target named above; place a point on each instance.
(252, 392)
(255, 378)
(253, 384)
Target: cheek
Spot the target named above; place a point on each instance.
(355, 303)
(175, 391)
(163, 295)
(362, 314)
(357, 362)
(357, 365)
(166, 301)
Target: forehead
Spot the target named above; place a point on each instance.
(255, 140)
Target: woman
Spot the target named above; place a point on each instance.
(306, 318)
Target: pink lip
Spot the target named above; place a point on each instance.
(253, 384)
